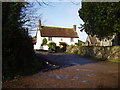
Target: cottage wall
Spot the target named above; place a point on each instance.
(38, 41)
(54, 39)
(62, 39)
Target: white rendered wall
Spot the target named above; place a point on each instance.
(54, 39)
(63, 39)
(38, 41)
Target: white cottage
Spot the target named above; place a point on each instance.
(55, 34)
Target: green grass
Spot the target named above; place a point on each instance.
(69, 53)
(114, 61)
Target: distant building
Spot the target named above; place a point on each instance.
(55, 34)
(94, 41)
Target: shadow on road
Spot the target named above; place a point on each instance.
(62, 60)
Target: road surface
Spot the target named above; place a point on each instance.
(65, 60)
(74, 72)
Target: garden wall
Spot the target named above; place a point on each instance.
(104, 53)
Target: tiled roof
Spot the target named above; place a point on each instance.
(58, 32)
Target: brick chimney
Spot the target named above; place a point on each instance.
(74, 27)
(39, 24)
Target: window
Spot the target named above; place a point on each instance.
(49, 38)
(72, 39)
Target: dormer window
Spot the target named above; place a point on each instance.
(49, 38)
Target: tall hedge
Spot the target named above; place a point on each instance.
(17, 48)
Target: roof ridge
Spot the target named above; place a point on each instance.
(56, 27)
(48, 31)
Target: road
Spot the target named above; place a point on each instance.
(65, 60)
(74, 72)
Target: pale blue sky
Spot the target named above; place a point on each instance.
(62, 14)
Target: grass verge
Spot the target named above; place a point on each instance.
(114, 61)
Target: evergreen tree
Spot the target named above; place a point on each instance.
(18, 54)
(101, 18)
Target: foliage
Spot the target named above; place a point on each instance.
(79, 43)
(52, 46)
(44, 41)
(63, 43)
(17, 51)
(57, 49)
(100, 18)
(63, 46)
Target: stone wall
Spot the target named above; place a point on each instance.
(104, 53)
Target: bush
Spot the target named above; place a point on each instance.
(44, 41)
(52, 46)
(63, 46)
(79, 43)
(57, 49)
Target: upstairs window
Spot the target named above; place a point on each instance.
(61, 39)
(72, 39)
(49, 38)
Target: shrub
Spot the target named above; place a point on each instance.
(52, 46)
(79, 43)
(57, 49)
(44, 41)
(63, 43)
(63, 46)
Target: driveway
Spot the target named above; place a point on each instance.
(74, 72)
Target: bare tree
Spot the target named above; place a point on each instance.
(32, 15)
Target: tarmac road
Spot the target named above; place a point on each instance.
(74, 72)
(65, 60)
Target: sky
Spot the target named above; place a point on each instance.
(61, 14)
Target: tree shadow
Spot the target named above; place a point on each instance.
(62, 60)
